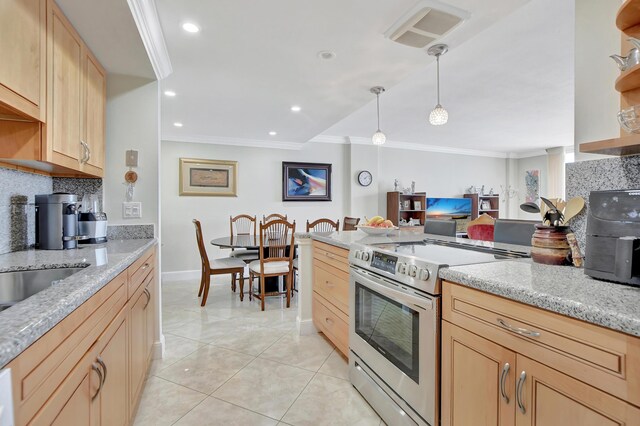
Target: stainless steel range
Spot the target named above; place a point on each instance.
(394, 330)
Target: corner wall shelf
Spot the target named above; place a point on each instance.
(628, 18)
(625, 145)
(629, 79)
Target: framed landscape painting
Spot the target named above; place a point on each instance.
(208, 177)
(306, 181)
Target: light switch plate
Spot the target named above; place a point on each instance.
(132, 209)
(132, 158)
(6, 399)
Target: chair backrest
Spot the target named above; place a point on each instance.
(277, 241)
(204, 258)
(442, 227)
(350, 223)
(323, 225)
(511, 231)
(273, 216)
(243, 224)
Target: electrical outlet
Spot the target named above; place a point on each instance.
(132, 210)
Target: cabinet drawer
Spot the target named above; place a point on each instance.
(334, 256)
(332, 322)
(332, 284)
(139, 271)
(607, 359)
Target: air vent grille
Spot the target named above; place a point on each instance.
(425, 23)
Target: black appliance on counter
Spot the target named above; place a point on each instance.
(613, 236)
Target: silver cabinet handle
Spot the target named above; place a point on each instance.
(95, 368)
(148, 294)
(519, 388)
(517, 330)
(104, 369)
(503, 379)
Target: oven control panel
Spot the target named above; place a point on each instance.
(384, 262)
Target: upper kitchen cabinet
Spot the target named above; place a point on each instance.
(71, 140)
(23, 70)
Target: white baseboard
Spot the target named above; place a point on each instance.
(158, 348)
(181, 275)
(306, 327)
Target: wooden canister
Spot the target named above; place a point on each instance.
(549, 245)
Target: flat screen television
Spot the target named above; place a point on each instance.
(458, 209)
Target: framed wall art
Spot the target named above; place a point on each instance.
(216, 178)
(532, 186)
(306, 181)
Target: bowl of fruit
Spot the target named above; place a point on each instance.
(377, 225)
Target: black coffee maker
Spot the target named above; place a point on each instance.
(613, 236)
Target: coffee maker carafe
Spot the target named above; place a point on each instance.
(56, 221)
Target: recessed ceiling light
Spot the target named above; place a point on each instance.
(169, 93)
(326, 55)
(272, 133)
(190, 27)
(296, 108)
(177, 124)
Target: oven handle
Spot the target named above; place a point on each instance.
(400, 296)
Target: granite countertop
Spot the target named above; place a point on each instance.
(562, 289)
(25, 322)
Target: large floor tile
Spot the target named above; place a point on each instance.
(206, 369)
(317, 405)
(336, 365)
(163, 402)
(249, 340)
(308, 352)
(266, 387)
(213, 411)
(175, 349)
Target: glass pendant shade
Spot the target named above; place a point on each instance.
(438, 116)
(378, 138)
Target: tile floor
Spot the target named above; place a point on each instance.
(231, 364)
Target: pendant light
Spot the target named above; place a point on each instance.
(378, 137)
(439, 115)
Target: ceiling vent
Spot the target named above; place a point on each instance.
(425, 23)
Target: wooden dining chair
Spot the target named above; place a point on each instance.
(273, 216)
(227, 265)
(323, 225)
(243, 224)
(277, 246)
(350, 223)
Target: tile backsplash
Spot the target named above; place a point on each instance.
(599, 175)
(17, 197)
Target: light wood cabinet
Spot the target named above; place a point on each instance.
(330, 303)
(477, 374)
(582, 374)
(70, 140)
(89, 369)
(23, 68)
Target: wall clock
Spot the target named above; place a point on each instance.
(365, 178)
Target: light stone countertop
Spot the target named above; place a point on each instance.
(25, 322)
(561, 289)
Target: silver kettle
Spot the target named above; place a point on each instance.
(632, 58)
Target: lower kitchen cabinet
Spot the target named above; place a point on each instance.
(89, 369)
(582, 375)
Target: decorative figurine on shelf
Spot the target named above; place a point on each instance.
(482, 190)
(413, 186)
(396, 185)
(491, 191)
(406, 191)
(471, 190)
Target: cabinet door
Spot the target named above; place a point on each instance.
(72, 402)
(548, 397)
(65, 91)
(94, 112)
(137, 345)
(113, 396)
(23, 46)
(150, 318)
(477, 380)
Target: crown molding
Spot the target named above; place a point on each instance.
(343, 140)
(146, 18)
(221, 140)
(429, 148)
(527, 154)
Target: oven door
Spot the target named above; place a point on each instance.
(394, 329)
